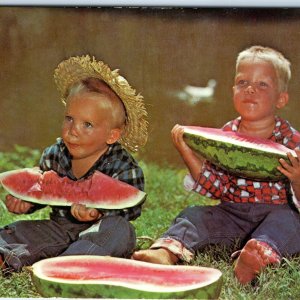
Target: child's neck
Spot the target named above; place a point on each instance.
(82, 165)
(79, 167)
(261, 129)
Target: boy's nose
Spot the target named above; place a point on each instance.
(73, 130)
(250, 89)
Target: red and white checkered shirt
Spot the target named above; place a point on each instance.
(219, 184)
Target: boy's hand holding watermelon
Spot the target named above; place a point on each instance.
(292, 172)
(84, 214)
(17, 206)
(192, 159)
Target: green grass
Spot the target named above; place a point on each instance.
(166, 198)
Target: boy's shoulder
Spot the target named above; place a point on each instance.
(285, 128)
(117, 152)
(232, 125)
(286, 133)
(117, 162)
(55, 148)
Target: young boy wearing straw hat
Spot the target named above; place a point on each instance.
(103, 114)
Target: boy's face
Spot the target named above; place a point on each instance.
(86, 127)
(256, 94)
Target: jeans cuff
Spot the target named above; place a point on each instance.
(175, 247)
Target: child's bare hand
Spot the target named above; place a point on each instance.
(17, 206)
(193, 160)
(178, 141)
(84, 214)
(292, 170)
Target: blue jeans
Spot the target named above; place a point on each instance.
(199, 226)
(25, 242)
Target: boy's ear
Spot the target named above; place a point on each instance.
(115, 134)
(283, 100)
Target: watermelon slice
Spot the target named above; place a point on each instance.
(107, 277)
(238, 154)
(98, 191)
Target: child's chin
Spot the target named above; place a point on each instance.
(73, 147)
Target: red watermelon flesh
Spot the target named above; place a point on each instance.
(111, 270)
(99, 190)
(119, 271)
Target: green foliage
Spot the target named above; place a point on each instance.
(166, 198)
(17, 285)
(21, 157)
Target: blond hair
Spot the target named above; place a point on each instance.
(78, 68)
(113, 104)
(281, 65)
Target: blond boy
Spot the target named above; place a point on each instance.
(256, 213)
(103, 117)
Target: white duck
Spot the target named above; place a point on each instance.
(196, 93)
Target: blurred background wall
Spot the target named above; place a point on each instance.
(159, 51)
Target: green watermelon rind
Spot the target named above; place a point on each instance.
(241, 161)
(137, 199)
(54, 287)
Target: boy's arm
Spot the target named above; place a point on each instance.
(292, 172)
(193, 161)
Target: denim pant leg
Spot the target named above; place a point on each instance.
(112, 236)
(198, 226)
(280, 229)
(25, 242)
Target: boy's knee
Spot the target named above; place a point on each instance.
(188, 211)
(122, 234)
(115, 235)
(194, 213)
(119, 226)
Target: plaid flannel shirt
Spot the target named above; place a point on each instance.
(116, 162)
(219, 184)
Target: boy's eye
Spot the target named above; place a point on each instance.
(88, 125)
(68, 119)
(262, 85)
(242, 83)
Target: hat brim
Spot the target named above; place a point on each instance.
(77, 68)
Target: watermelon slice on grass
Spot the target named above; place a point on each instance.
(97, 191)
(107, 277)
(239, 154)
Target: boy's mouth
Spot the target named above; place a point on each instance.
(72, 145)
(249, 101)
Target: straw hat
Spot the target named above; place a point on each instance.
(77, 68)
